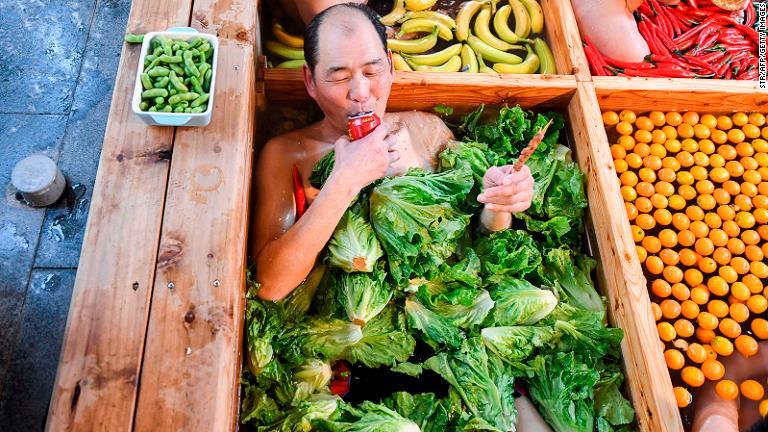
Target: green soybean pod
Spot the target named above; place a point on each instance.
(174, 46)
(187, 110)
(189, 65)
(177, 83)
(170, 59)
(172, 91)
(195, 42)
(188, 96)
(178, 109)
(152, 64)
(157, 50)
(178, 69)
(167, 108)
(166, 44)
(207, 82)
(143, 106)
(205, 46)
(195, 83)
(153, 93)
(162, 82)
(146, 82)
(196, 110)
(148, 59)
(187, 81)
(200, 100)
(159, 100)
(158, 71)
(152, 109)
(203, 70)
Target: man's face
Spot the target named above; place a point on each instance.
(353, 73)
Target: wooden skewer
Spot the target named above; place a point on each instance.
(532, 145)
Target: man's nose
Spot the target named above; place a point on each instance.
(359, 89)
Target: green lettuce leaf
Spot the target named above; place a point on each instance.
(467, 316)
(571, 273)
(483, 382)
(474, 156)
(565, 195)
(584, 331)
(518, 302)
(408, 368)
(257, 407)
(310, 377)
(354, 246)
(322, 170)
(363, 295)
(436, 328)
(508, 253)
(610, 404)
(424, 409)
(562, 387)
(385, 341)
(302, 417)
(416, 219)
(514, 343)
(319, 336)
(367, 417)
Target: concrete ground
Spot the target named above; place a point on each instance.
(56, 78)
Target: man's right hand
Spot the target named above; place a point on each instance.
(361, 162)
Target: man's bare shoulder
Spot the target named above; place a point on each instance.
(419, 117)
(286, 148)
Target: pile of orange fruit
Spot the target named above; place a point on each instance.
(695, 188)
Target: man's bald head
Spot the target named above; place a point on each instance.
(347, 17)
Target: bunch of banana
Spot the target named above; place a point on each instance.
(494, 36)
(287, 46)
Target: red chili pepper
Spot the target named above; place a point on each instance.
(700, 63)
(708, 58)
(298, 193)
(749, 15)
(723, 66)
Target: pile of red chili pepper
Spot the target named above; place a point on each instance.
(693, 39)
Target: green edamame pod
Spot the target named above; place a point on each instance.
(167, 108)
(153, 93)
(199, 101)
(157, 50)
(195, 42)
(207, 82)
(205, 46)
(194, 52)
(146, 82)
(152, 109)
(173, 100)
(159, 100)
(178, 109)
(196, 110)
(134, 38)
(203, 70)
(149, 59)
(174, 46)
(162, 82)
(183, 44)
(166, 44)
(170, 59)
(177, 83)
(187, 81)
(185, 104)
(189, 65)
(172, 91)
(178, 69)
(152, 64)
(143, 106)
(158, 71)
(196, 87)
(187, 110)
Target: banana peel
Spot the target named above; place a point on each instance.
(283, 50)
(435, 59)
(414, 46)
(528, 66)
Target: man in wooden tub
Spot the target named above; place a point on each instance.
(349, 71)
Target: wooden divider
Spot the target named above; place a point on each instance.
(192, 358)
(647, 375)
(98, 375)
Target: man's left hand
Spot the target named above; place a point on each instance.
(506, 190)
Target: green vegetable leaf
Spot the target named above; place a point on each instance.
(584, 331)
(508, 253)
(518, 302)
(302, 417)
(319, 336)
(363, 295)
(435, 327)
(474, 156)
(428, 412)
(514, 343)
(354, 246)
(610, 404)
(368, 417)
(322, 170)
(443, 110)
(408, 368)
(385, 341)
(416, 219)
(560, 268)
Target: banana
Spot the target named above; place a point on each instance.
(528, 66)
(413, 46)
(400, 63)
(292, 64)
(536, 14)
(426, 25)
(435, 59)
(397, 12)
(284, 50)
(432, 15)
(452, 65)
(501, 25)
(419, 5)
(468, 59)
(464, 17)
(286, 38)
(492, 54)
(542, 50)
(522, 19)
(482, 67)
(483, 31)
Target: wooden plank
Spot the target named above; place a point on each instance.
(629, 304)
(679, 94)
(192, 356)
(424, 90)
(564, 38)
(97, 378)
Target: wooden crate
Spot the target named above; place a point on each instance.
(411, 88)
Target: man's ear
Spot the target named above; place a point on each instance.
(309, 81)
(391, 62)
